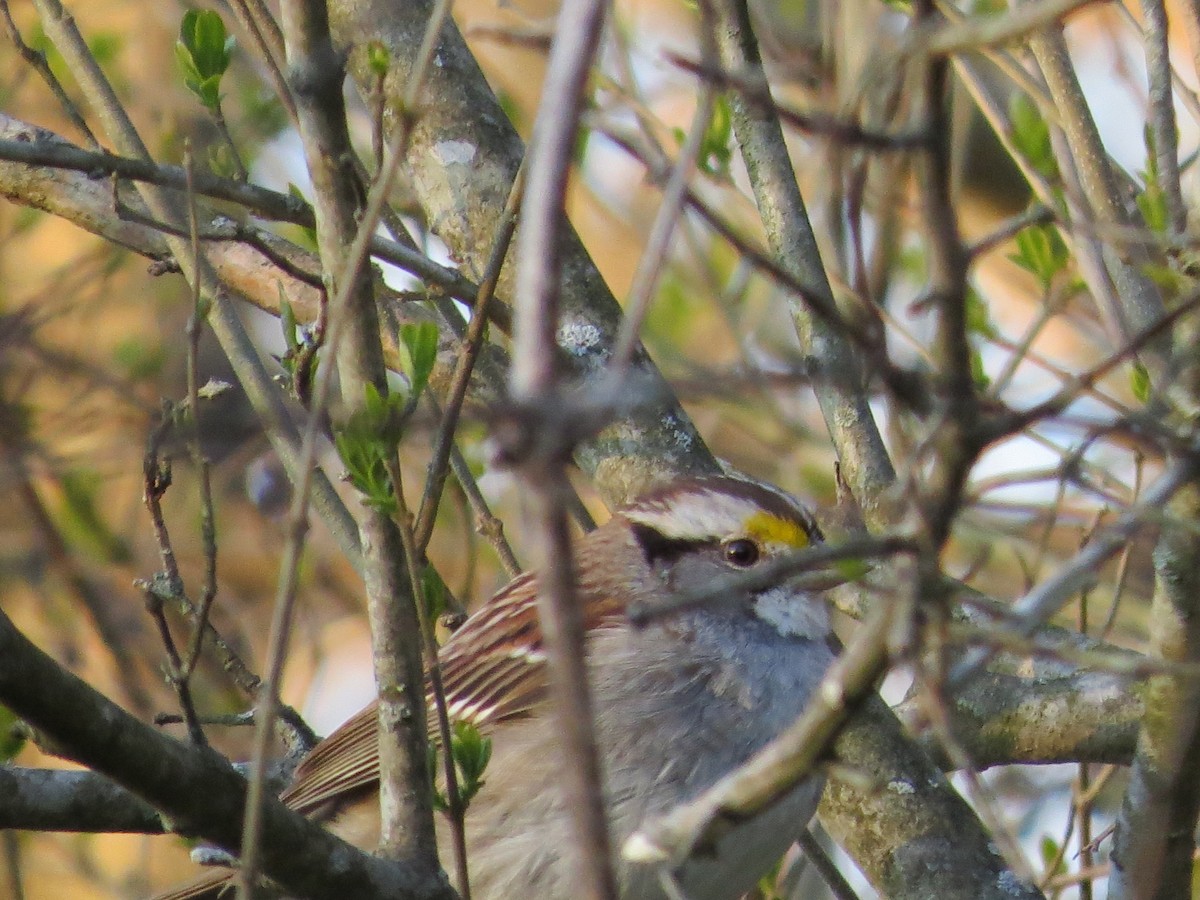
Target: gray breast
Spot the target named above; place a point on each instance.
(679, 709)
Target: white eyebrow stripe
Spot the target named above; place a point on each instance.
(697, 515)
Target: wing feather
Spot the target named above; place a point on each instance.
(492, 671)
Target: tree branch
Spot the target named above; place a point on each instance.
(463, 155)
(64, 800)
(193, 787)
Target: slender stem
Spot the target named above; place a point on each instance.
(208, 528)
(545, 437)
(464, 365)
(413, 562)
(344, 227)
(841, 373)
(1162, 111)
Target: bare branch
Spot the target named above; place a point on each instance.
(193, 787)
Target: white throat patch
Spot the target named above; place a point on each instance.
(790, 616)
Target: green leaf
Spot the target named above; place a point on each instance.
(1031, 135)
(203, 52)
(471, 752)
(12, 738)
(191, 75)
(1139, 382)
(367, 441)
(366, 466)
(310, 234)
(1050, 853)
(203, 33)
(583, 133)
(851, 569)
(979, 321)
(440, 803)
(223, 162)
(385, 414)
(978, 374)
(1173, 282)
(1150, 176)
(510, 107)
(716, 151)
(287, 320)
(582, 136)
(379, 60)
(434, 591)
(418, 353)
(1152, 202)
(1041, 251)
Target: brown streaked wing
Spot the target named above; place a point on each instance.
(206, 887)
(493, 671)
(492, 668)
(346, 761)
(497, 689)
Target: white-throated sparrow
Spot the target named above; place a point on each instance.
(679, 701)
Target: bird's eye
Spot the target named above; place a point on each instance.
(741, 552)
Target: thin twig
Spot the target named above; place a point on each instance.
(464, 365)
(654, 254)
(486, 523)
(842, 398)
(345, 243)
(980, 32)
(1037, 606)
(208, 533)
(156, 480)
(413, 563)
(268, 45)
(815, 854)
(37, 60)
(534, 388)
(757, 90)
(1162, 111)
(224, 320)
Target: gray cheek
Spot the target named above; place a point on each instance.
(695, 572)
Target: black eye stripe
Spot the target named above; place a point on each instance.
(657, 547)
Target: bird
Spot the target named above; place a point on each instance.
(681, 697)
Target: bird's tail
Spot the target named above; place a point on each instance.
(217, 885)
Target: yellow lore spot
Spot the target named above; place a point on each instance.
(769, 529)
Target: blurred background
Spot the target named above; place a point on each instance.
(91, 341)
